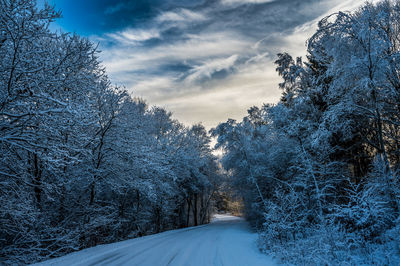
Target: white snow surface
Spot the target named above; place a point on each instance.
(227, 241)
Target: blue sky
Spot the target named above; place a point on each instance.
(204, 60)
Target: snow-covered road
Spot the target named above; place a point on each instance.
(226, 241)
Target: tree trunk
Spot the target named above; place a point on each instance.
(158, 220)
(189, 202)
(92, 192)
(138, 201)
(195, 210)
(37, 176)
(205, 212)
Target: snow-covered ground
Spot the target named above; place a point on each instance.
(227, 241)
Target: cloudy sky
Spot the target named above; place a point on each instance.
(204, 60)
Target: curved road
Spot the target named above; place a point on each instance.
(226, 241)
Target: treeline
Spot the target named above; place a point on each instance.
(81, 161)
(319, 171)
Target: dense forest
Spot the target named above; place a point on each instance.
(81, 161)
(319, 171)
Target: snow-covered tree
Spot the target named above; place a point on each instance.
(323, 162)
(82, 162)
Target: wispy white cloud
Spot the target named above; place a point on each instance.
(196, 49)
(130, 36)
(235, 2)
(209, 67)
(181, 14)
(229, 98)
(211, 63)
